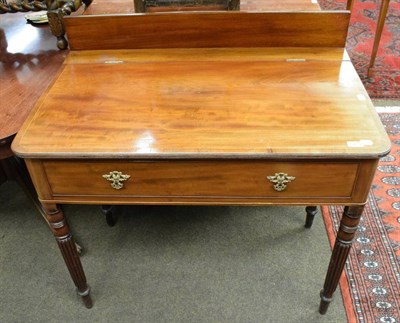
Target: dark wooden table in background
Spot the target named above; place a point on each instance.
(29, 60)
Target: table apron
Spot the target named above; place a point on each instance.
(203, 182)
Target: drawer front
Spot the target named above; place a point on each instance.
(217, 179)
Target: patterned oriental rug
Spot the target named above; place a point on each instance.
(384, 82)
(370, 284)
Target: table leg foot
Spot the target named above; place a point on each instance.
(86, 298)
(311, 211)
(324, 304)
(347, 230)
(55, 17)
(110, 214)
(59, 226)
(62, 43)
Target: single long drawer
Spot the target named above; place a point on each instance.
(206, 178)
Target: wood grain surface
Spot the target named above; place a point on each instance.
(205, 108)
(29, 61)
(208, 29)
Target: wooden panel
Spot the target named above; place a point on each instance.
(208, 29)
(39, 179)
(365, 177)
(203, 178)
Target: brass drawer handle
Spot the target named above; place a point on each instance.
(116, 178)
(280, 180)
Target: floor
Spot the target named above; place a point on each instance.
(165, 264)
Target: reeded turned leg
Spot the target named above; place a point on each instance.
(311, 211)
(59, 226)
(347, 230)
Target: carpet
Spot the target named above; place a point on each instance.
(384, 82)
(371, 281)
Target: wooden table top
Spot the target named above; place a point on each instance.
(205, 103)
(29, 59)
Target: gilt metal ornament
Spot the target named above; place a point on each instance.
(116, 178)
(280, 180)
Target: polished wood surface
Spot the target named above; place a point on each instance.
(205, 107)
(208, 29)
(29, 61)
